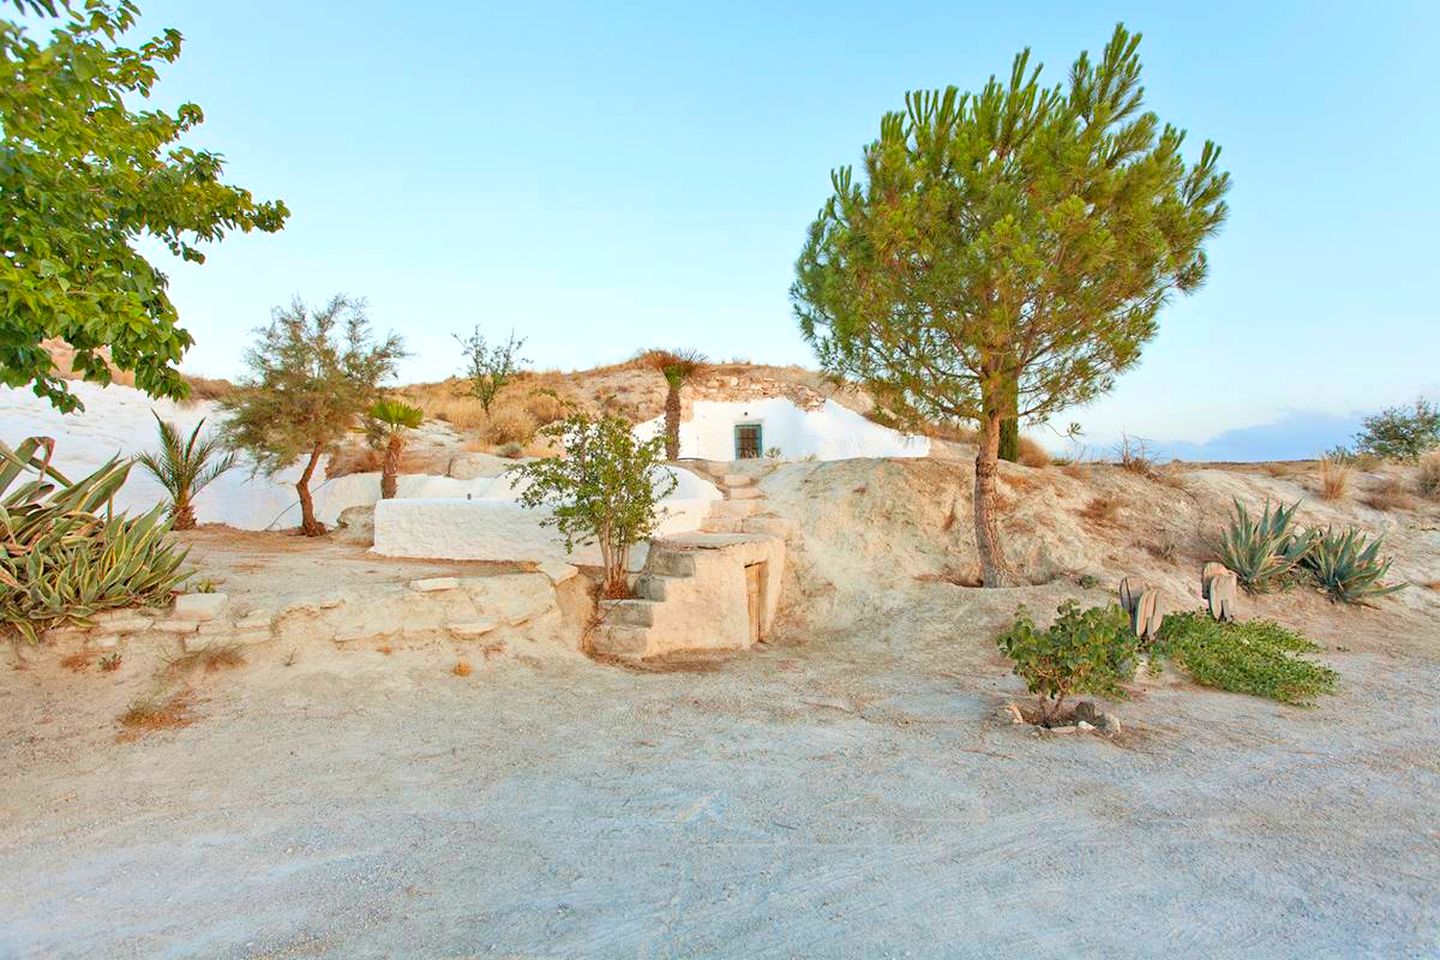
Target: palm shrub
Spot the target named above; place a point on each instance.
(678, 367)
(184, 468)
(1085, 651)
(606, 489)
(62, 559)
(390, 419)
(1263, 551)
(1347, 566)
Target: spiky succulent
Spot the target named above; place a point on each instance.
(1263, 551)
(1347, 565)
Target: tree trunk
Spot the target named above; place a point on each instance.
(672, 422)
(389, 483)
(994, 570)
(184, 518)
(1010, 425)
(309, 526)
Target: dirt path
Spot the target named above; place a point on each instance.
(845, 798)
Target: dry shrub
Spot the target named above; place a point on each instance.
(1167, 548)
(1032, 454)
(153, 712)
(1334, 478)
(208, 658)
(510, 424)
(208, 388)
(545, 406)
(1103, 511)
(1389, 495)
(1428, 481)
(1075, 471)
(77, 661)
(1134, 455)
(968, 576)
(462, 669)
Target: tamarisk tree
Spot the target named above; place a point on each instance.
(312, 375)
(1007, 252)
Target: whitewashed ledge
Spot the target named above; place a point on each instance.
(500, 530)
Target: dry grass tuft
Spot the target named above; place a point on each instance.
(1428, 481)
(462, 669)
(153, 712)
(1032, 454)
(1134, 455)
(1075, 471)
(1334, 478)
(1103, 511)
(209, 658)
(208, 388)
(1388, 496)
(78, 662)
(959, 576)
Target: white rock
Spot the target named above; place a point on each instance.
(199, 606)
(434, 584)
(107, 642)
(1085, 725)
(175, 626)
(557, 571)
(472, 629)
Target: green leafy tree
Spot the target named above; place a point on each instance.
(184, 467)
(1401, 433)
(1007, 252)
(391, 421)
(489, 368)
(678, 367)
(1085, 651)
(606, 489)
(84, 176)
(312, 375)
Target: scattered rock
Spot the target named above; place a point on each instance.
(1010, 713)
(1084, 725)
(1087, 712)
(357, 525)
(472, 629)
(434, 584)
(198, 606)
(175, 626)
(106, 641)
(1064, 729)
(1109, 723)
(558, 571)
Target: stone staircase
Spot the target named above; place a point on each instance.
(739, 483)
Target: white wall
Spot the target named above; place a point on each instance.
(829, 432)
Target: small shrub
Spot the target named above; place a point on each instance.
(1428, 482)
(462, 669)
(1401, 433)
(1257, 657)
(1389, 495)
(510, 451)
(1334, 478)
(1134, 455)
(773, 453)
(208, 658)
(1102, 511)
(509, 424)
(110, 662)
(545, 406)
(1031, 454)
(1167, 548)
(489, 368)
(155, 712)
(1264, 552)
(1085, 651)
(1348, 567)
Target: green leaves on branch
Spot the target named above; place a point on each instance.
(184, 467)
(489, 368)
(84, 176)
(1257, 657)
(606, 489)
(63, 560)
(1084, 651)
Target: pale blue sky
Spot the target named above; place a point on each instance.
(605, 177)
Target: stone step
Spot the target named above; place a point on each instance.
(729, 509)
(671, 563)
(737, 480)
(717, 525)
(629, 613)
(745, 493)
(653, 586)
(627, 643)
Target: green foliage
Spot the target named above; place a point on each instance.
(1348, 567)
(1085, 651)
(184, 468)
(678, 367)
(388, 420)
(84, 176)
(396, 414)
(607, 488)
(1008, 251)
(1257, 657)
(312, 374)
(1263, 552)
(61, 559)
(1400, 433)
(489, 368)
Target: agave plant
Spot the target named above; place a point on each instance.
(1348, 566)
(61, 558)
(391, 419)
(1263, 551)
(184, 468)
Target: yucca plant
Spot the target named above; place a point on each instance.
(184, 468)
(1348, 566)
(62, 559)
(1263, 551)
(391, 420)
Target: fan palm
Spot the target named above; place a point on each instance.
(393, 418)
(678, 367)
(185, 467)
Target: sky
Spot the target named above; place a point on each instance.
(611, 176)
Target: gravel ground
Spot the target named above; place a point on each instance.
(848, 797)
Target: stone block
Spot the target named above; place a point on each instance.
(434, 584)
(199, 606)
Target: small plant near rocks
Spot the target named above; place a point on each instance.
(1257, 657)
(1334, 477)
(110, 662)
(1084, 651)
(208, 658)
(1263, 552)
(155, 711)
(1347, 565)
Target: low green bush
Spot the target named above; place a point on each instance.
(1257, 657)
(1085, 651)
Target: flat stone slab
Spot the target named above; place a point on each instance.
(434, 584)
(199, 606)
(558, 571)
(472, 629)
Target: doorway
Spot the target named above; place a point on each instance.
(749, 441)
(755, 599)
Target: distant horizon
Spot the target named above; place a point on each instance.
(603, 180)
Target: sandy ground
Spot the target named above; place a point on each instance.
(843, 792)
